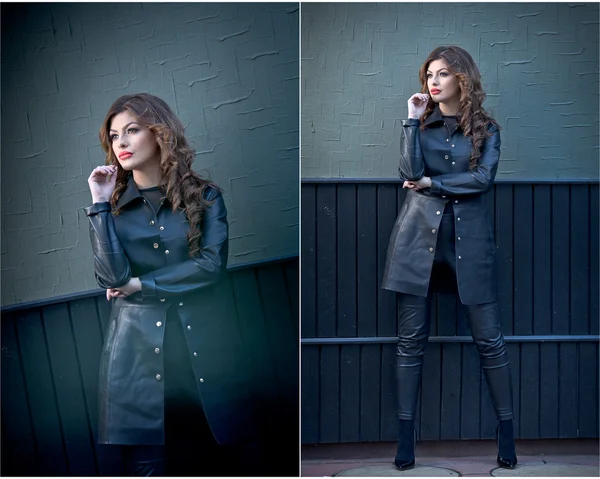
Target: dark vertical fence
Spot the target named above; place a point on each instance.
(547, 251)
(50, 358)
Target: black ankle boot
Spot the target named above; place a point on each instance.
(507, 456)
(407, 442)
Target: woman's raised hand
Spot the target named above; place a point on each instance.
(417, 104)
(102, 182)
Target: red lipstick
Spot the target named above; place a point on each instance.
(125, 154)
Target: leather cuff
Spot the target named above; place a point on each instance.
(97, 208)
(436, 187)
(411, 122)
(148, 285)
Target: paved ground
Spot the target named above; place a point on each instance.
(539, 458)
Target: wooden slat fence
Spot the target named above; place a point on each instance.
(547, 248)
(50, 359)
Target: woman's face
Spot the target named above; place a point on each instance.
(134, 145)
(443, 86)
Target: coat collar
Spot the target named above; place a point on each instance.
(131, 193)
(436, 115)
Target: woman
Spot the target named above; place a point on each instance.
(450, 149)
(159, 232)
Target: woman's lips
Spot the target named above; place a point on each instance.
(435, 92)
(125, 155)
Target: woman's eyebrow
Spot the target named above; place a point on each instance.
(130, 123)
(443, 68)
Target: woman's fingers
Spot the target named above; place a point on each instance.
(114, 293)
(101, 172)
(418, 98)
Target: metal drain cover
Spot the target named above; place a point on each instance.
(417, 471)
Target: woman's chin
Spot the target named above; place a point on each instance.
(126, 166)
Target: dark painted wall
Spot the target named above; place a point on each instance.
(50, 362)
(547, 238)
(539, 62)
(229, 71)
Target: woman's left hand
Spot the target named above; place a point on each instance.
(424, 182)
(133, 286)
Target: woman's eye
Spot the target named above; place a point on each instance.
(113, 137)
(132, 130)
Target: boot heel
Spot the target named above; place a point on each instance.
(507, 463)
(403, 465)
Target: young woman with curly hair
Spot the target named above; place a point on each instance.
(170, 374)
(449, 155)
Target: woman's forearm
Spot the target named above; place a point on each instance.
(411, 166)
(111, 265)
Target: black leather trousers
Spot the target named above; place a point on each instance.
(413, 333)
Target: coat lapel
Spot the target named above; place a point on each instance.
(436, 115)
(130, 193)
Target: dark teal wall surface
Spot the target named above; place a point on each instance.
(539, 63)
(229, 71)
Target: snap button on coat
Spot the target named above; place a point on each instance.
(408, 263)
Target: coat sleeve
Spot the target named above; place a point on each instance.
(205, 269)
(479, 180)
(111, 265)
(412, 166)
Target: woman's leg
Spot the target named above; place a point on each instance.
(144, 460)
(485, 328)
(413, 333)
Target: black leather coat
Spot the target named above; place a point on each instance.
(443, 155)
(140, 242)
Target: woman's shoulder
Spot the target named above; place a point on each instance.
(211, 192)
(493, 126)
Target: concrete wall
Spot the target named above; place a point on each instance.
(229, 71)
(539, 63)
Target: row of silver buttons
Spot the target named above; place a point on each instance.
(160, 228)
(157, 350)
(457, 219)
(446, 157)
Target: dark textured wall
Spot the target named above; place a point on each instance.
(539, 63)
(229, 71)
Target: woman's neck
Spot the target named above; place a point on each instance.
(449, 108)
(147, 178)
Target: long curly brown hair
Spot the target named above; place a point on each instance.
(182, 186)
(473, 118)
